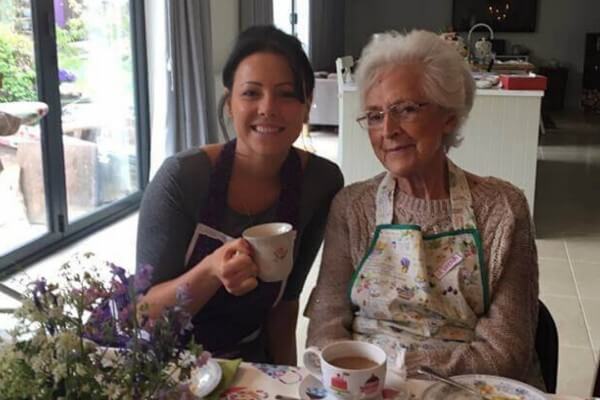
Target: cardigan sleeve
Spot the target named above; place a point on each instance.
(329, 308)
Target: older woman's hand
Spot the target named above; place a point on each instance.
(232, 264)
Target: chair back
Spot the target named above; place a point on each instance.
(546, 347)
(343, 68)
(596, 389)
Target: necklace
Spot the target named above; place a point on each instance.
(212, 212)
(253, 195)
(256, 202)
(250, 217)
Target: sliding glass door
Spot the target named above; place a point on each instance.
(20, 153)
(96, 83)
(83, 164)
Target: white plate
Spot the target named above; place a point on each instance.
(204, 380)
(493, 385)
(312, 389)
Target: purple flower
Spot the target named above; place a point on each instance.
(143, 278)
(90, 295)
(66, 76)
(405, 262)
(101, 314)
(183, 321)
(119, 272)
(119, 289)
(100, 324)
(124, 314)
(39, 288)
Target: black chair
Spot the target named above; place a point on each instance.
(596, 390)
(546, 347)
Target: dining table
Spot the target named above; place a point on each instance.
(278, 382)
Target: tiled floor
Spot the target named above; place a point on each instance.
(568, 226)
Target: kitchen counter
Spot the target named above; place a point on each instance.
(510, 93)
(351, 87)
(500, 138)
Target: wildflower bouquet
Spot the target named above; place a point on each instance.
(55, 352)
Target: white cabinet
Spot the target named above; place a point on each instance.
(324, 109)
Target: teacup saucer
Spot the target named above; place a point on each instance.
(312, 389)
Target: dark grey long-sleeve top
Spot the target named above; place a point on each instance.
(172, 203)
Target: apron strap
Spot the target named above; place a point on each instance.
(461, 200)
(385, 200)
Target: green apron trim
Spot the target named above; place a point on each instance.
(474, 232)
(372, 245)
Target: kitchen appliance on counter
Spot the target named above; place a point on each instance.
(481, 51)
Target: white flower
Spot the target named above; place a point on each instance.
(59, 372)
(113, 391)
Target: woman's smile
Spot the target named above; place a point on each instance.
(267, 129)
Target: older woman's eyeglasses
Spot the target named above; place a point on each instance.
(405, 111)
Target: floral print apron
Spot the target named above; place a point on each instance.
(415, 290)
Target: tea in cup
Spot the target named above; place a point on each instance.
(348, 369)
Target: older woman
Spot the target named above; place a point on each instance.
(426, 256)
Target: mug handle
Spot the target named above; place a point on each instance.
(312, 361)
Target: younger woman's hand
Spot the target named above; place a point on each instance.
(232, 264)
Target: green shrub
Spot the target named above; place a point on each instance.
(70, 55)
(18, 67)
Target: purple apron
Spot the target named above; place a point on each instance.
(228, 325)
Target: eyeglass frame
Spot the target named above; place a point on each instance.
(364, 118)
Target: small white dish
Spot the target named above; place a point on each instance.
(488, 384)
(205, 379)
(312, 389)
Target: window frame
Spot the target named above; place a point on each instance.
(60, 232)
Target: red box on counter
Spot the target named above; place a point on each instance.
(523, 82)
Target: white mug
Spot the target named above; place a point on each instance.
(273, 249)
(348, 369)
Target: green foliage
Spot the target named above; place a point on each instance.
(66, 39)
(76, 29)
(17, 66)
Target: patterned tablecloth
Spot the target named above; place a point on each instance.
(265, 382)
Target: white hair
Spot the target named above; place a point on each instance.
(447, 79)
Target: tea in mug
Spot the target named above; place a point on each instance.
(353, 362)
